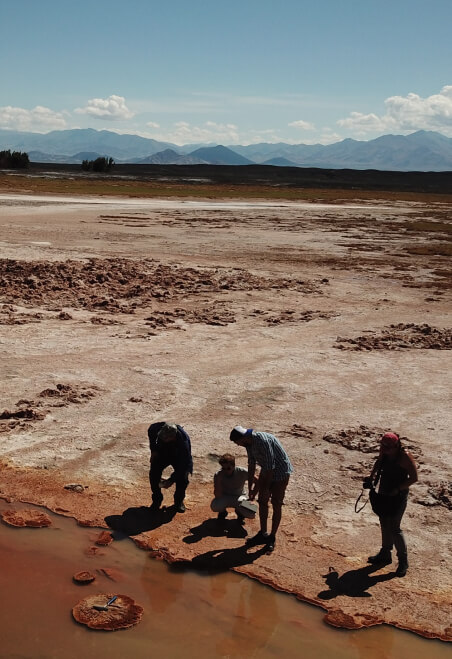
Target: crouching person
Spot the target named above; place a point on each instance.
(229, 488)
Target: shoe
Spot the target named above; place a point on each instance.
(154, 507)
(222, 516)
(270, 544)
(382, 558)
(240, 519)
(402, 567)
(258, 539)
(180, 507)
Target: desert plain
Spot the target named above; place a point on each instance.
(324, 319)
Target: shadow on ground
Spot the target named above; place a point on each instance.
(216, 528)
(354, 583)
(134, 521)
(220, 560)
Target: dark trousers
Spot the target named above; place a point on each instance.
(155, 475)
(391, 533)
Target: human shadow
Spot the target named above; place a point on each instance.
(137, 520)
(220, 560)
(353, 583)
(216, 528)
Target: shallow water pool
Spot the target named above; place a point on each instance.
(185, 614)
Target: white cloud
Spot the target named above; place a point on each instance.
(152, 124)
(36, 120)
(406, 113)
(304, 125)
(361, 124)
(113, 108)
(186, 133)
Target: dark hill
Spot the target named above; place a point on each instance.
(280, 177)
(220, 155)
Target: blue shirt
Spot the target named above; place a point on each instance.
(267, 452)
(176, 453)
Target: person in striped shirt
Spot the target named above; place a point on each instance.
(265, 450)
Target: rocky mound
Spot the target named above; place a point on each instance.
(399, 337)
(121, 285)
(366, 440)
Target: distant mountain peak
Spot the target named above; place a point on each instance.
(419, 151)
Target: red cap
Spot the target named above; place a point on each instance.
(390, 439)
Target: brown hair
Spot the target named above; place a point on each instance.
(227, 458)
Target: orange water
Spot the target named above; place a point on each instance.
(185, 614)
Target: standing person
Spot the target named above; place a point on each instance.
(393, 472)
(170, 445)
(229, 487)
(266, 451)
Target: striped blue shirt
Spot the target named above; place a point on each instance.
(267, 452)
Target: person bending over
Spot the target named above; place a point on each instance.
(265, 450)
(169, 445)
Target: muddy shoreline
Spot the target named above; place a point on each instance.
(300, 321)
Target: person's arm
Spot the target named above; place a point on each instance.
(152, 435)
(375, 469)
(252, 485)
(217, 486)
(407, 462)
(266, 459)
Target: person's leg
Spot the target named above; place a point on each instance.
(179, 492)
(220, 504)
(262, 536)
(383, 557)
(278, 491)
(155, 474)
(399, 540)
(263, 500)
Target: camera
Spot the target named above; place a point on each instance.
(367, 483)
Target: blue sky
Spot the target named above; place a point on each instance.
(237, 72)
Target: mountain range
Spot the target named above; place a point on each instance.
(419, 151)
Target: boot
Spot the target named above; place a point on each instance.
(382, 558)
(402, 566)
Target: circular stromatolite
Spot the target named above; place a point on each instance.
(26, 518)
(104, 538)
(83, 577)
(121, 614)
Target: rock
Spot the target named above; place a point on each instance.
(105, 538)
(26, 518)
(124, 612)
(83, 577)
(74, 487)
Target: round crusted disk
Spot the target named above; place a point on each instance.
(121, 614)
(84, 577)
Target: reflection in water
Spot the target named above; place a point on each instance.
(195, 610)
